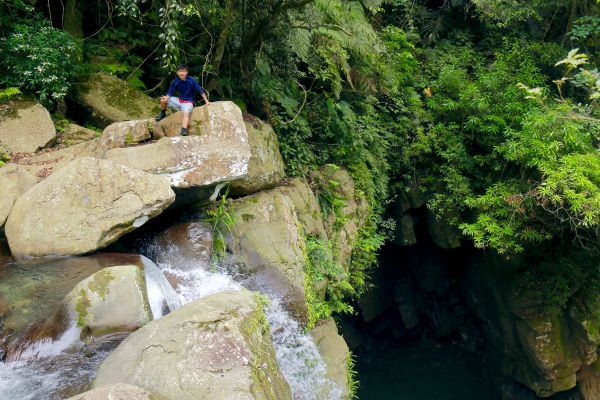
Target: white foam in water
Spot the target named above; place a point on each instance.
(298, 357)
(48, 347)
(160, 291)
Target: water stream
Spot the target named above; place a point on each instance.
(60, 368)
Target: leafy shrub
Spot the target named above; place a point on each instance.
(40, 59)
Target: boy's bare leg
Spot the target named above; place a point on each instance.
(186, 120)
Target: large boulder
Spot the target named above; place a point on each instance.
(26, 127)
(217, 153)
(113, 299)
(335, 353)
(266, 168)
(10, 192)
(103, 99)
(20, 176)
(120, 391)
(85, 206)
(267, 240)
(27, 314)
(218, 348)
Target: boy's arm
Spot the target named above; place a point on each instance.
(170, 91)
(201, 90)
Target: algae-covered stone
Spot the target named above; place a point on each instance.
(26, 126)
(267, 239)
(75, 134)
(266, 167)
(120, 391)
(105, 99)
(218, 348)
(10, 192)
(113, 299)
(334, 351)
(85, 206)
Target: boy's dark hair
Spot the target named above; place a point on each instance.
(182, 66)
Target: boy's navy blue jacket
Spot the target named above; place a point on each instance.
(187, 88)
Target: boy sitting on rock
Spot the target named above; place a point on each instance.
(187, 87)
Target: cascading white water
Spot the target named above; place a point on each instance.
(296, 351)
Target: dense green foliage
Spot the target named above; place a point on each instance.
(479, 105)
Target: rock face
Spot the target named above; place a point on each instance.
(338, 182)
(442, 234)
(334, 351)
(10, 192)
(119, 391)
(26, 127)
(266, 168)
(85, 206)
(218, 348)
(111, 300)
(543, 348)
(267, 239)
(104, 99)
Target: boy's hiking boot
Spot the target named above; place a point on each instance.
(184, 132)
(161, 115)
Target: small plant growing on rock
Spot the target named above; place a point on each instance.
(221, 221)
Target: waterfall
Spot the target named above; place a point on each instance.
(295, 350)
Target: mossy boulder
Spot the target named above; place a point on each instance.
(103, 99)
(74, 134)
(218, 348)
(113, 299)
(120, 391)
(335, 353)
(341, 223)
(86, 205)
(307, 207)
(26, 127)
(268, 240)
(266, 168)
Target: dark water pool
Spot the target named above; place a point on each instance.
(423, 371)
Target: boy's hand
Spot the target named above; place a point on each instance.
(164, 98)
